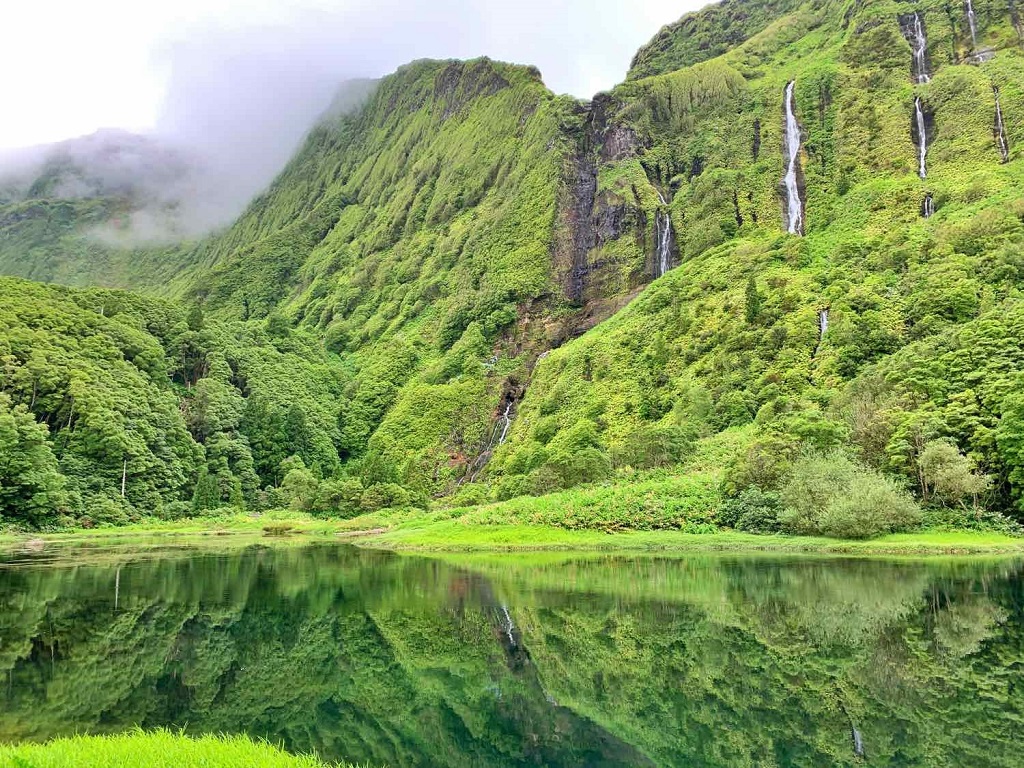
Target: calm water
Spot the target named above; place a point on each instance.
(539, 660)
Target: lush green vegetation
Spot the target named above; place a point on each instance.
(113, 406)
(551, 658)
(398, 322)
(159, 749)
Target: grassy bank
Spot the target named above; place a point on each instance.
(159, 749)
(656, 513)
(457, 536)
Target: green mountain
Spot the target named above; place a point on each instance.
(796, 225)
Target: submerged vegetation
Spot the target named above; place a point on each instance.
(468, 292)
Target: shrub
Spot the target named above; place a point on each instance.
(384, 496)
(175, 510)
(871, 505)
(814, 482)
(830, 495)
(340, 497)
(655, 446)
(471, 495)
(753, 511)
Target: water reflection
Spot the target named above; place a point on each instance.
(538, 660)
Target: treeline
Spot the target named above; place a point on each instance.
(114, 406)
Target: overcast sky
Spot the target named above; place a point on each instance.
(72, 66)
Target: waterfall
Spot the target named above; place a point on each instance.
(928, 206)
(972, 21)
(822, 323)
(794, 206)
(506, 422)
(664, 226)
(922, 138)
(858, 743)
(913, 29)
(1004, 145)
(498, 436)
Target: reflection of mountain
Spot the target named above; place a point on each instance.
(405, 661)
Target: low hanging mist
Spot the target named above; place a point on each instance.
(239, 97)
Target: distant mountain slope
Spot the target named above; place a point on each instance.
(104, 209)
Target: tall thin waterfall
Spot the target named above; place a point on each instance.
(928, 206)
(794, 206)
(505, 421)
(972, 21)
(913, 30)
(1001, 140)
(498, 437)
(922, 138)
(822, 322)
(663, 225)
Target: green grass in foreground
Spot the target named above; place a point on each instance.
(159, 749)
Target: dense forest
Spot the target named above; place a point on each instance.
(781, 265)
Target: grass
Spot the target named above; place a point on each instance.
(158, 749)
(463, 536)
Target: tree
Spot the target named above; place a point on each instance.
(31, 487)
(754, 302)
(1010, 440)
(949, 475)
(206, 494)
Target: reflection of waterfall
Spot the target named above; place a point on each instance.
(794, 206)
(922, 138)
(972, 22)
(928, 206)
(1000, 130)
(509, 627)
(913, 29)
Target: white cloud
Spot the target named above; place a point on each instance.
(72, 67)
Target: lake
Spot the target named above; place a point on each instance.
(538, 659)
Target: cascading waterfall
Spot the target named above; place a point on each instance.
(498, 436)
(663, 225)
(506, 422)
(913, 28)
(922, 138)
(858, 742)
(928, 206)
(822, 322)
(794, 206)
(972, 22)
(1000, 131)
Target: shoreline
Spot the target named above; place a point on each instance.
(452, 536)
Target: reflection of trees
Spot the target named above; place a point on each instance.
(716, 662)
